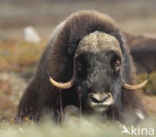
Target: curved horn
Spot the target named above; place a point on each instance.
(66, 85)
(136, 87)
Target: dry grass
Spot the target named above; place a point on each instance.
(84, 127)
(15, 55)
(150, 88)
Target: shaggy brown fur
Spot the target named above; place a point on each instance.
(57, 58)
(143, 50)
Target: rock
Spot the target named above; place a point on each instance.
(4, 53)
(30, 35)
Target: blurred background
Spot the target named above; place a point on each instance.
(19, 53)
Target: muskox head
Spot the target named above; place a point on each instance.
(97, 71)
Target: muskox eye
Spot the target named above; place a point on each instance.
(116, 63)
(79, 66)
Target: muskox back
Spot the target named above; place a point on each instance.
(58, 60)
(143, 51)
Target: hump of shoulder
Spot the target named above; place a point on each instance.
(79, 24)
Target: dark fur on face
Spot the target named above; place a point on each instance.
(58, 59)
(97, 74)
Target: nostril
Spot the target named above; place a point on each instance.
(105, 97)
(95, 100)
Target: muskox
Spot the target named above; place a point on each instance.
(86, 64)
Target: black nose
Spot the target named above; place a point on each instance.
(102, 99)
